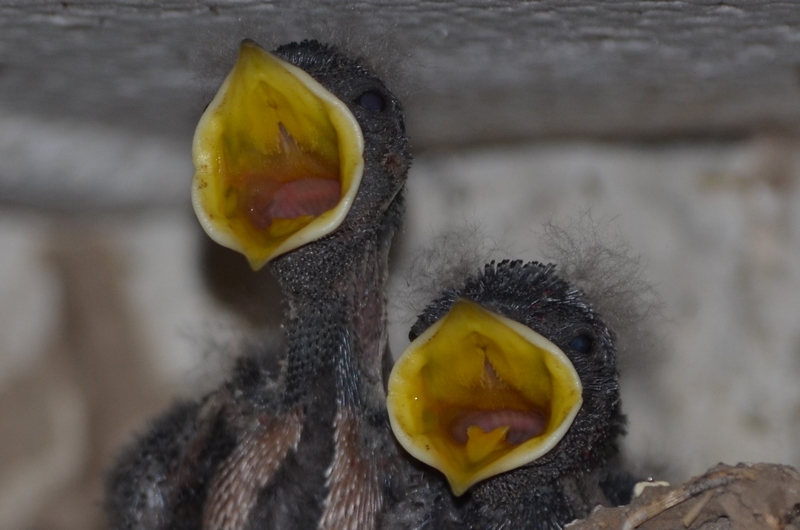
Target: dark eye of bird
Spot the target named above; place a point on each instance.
(372, 100)
(582, 343)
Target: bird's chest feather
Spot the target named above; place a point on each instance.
(318, 460)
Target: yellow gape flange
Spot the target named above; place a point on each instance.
(278, 159)
(478, 394)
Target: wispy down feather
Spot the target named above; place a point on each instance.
(591, 255)
(445, 263)
(594, 258)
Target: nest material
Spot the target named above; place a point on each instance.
(747, 496)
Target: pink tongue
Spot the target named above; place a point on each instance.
(305, 197)
(523, 425)
(271, 200)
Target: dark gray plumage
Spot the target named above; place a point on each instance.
(306, 445)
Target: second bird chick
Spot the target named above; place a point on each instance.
(510, 389)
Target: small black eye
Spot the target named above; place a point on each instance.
(372, 100)
(582, 343)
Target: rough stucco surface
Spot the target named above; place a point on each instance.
(472, 71)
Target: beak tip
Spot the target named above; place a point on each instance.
(459, 489)
(248, 43)
(256, 264)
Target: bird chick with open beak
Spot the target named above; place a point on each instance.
(300, 162)
(510, 390)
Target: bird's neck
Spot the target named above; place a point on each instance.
(336, 291)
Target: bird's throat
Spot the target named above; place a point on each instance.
(339, 336)
(337, 318)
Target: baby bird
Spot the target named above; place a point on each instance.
(301, 161)
(510, 390)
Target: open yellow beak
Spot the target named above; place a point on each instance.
(478, 394)
(278, 159)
